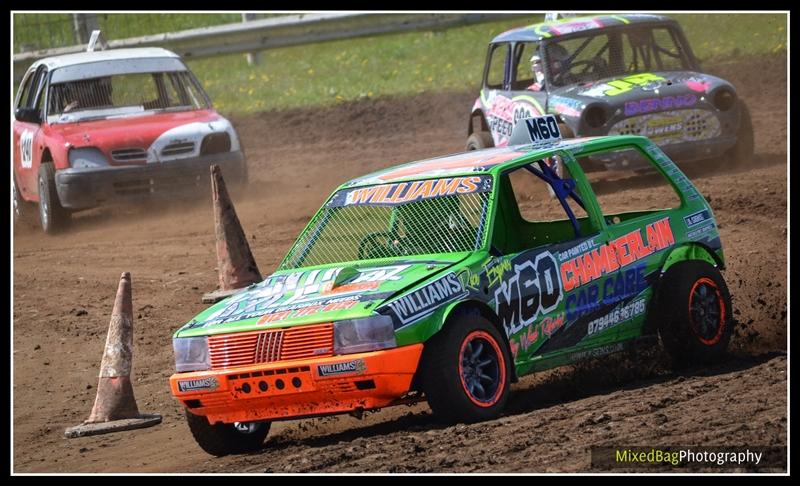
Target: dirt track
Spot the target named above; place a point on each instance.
(64, 290)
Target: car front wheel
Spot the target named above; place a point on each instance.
(22, 208)
(223, 439)
(466, 370)
(52, 216)
(480, 140)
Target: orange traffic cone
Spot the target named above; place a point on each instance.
(237, 267)
(115, 406)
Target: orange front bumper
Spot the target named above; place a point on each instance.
(299, 388)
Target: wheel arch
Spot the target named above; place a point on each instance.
(478, 117)
(688, 252)
(692, 251)
(476, 307)
(47, 156)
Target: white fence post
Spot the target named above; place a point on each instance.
(84, 24)
(253, 58)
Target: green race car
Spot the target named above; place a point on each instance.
(445, 280)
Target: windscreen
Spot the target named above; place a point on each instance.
(394, 220)
(619, 52)
(122, 94)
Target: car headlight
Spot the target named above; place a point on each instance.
(724, 99)
(191, 354)
(362, 335)
(87, 157)
(595, 116)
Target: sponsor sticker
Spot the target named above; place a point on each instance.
(596, 352)
(620, 86)
(620, 252)
(617, 316)
(696, 218)
(210, 383)
(424, 301)
(26, 149)
(406, 192)
(355, 366)
(308, 292)
(651, 105)
(539, 130)
(532, 291)
(695, 234)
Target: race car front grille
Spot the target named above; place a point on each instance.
(177, 148)
(670, 127)
(128, 154)
(247, 348)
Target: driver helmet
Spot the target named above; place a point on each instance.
(537, 68)
(557, 58)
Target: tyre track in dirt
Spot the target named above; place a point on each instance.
(64, 290)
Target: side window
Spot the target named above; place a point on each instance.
(535, 199)
(627, 195)
(25, 91)
(41, 92)
(173, 89)
(667, 50)
(496, 72)
(530, 215)
(194, 90)
(30, 99)
(522, 70)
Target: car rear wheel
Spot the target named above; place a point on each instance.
(223, 439)
(465, 371)
(693, 310)
(480, 140)
(742, 153)
(52, 216)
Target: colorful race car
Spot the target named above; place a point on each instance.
(436, 281)
(611, 75)
(114, 124)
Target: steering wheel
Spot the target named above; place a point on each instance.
(71, 106)
(372, 241)
(562, 77)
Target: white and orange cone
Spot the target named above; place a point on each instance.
(237, 267)
(115, 406)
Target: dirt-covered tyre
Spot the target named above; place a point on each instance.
(466, 371)
(693, 313)
(223, 439)
(480, 140)
(741, 154)
(52, 216)
(566, 131)
(22, 208)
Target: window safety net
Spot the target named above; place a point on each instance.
(445, 224)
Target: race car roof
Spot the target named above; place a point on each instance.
(474, 162)
(569, 25)
(55, 62)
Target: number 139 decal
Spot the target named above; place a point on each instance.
(26, 149)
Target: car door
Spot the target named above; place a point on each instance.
(493, 101)
(534, 234)
(28, 135)
(528, 97)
